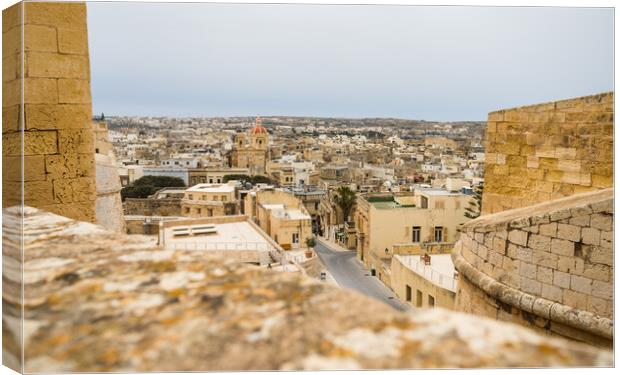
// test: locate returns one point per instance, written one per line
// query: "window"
(431, 301)
(191, 197)
(415, 234)
(210, 180)
(219, 180)
(418, 298)
(438, 234)
(424, 202)
(223, 198)
(407, 293)
(186, 210)
(209, 212)
(295, 237)
(199, 211)
(215, 197)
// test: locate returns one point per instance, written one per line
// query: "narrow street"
(349, 273)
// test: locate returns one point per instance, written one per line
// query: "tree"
(345, 199)
(473, 211)
(149, 185)
(310, 242)
(243, 178)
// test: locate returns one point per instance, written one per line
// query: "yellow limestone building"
(407, 223)
(251, 149)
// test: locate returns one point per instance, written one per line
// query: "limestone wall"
(97, 301)
(548, 266)
(153, 207)
(547, 151)
(54, 122)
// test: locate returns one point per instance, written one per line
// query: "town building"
(207, 200)
(213, 175)
(251, 150)
(425, 217)
(281, 215)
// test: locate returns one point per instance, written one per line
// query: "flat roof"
(440, 272)
(235, 236)
(290, 213)
(211, 188)
(438, 191)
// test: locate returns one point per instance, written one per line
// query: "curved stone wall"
(548, 266)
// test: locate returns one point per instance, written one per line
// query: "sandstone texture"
(97, 301)
(550, 266)
(547, 151)
(53, 134)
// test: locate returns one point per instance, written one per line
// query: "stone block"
(581, 284)
(601, 255)
(72, 41)
(40, 38)
(531, 286)
(602, 221)
(37, 193)
(600, 307)
(569, 232)
(603, 290)
(11, 41)
(85, 165)
(552, 293)
(76, 141)
(518, 237)
(569, 165)
(11, 93)
(35, 143)
(61, 166)
(590, 236)
(545, 259)
(565, 153)
(10, 68)
(65, 116)
(40, 90)
(527, 270)
(544, 275)
(63, 191)
(582, 221)
(53, 65)
(69, 15)
(83, 189)
(10, 118)
(532, 162)
(602, 181)
(74, 91)
(561, 279)
(548, 229)
(562, 247)
(575, 299)
(538, 242)
(566, 264)
(495, 259)
(571, 178)
(11, 17)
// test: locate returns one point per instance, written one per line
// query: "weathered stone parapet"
(553, 260)
(547, 151)
(97, 301)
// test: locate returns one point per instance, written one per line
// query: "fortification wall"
(548, 151)
(547, 266)
(54, 122)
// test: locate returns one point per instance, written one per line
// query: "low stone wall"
(99, 302)
(549, 266)
(152, 207)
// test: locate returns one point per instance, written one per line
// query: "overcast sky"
(433, 63)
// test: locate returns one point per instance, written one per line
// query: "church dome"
(258, 128)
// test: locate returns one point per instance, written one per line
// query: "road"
(349, 273)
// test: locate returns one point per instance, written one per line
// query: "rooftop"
(232, 236)
(211, 188)
(440, 271)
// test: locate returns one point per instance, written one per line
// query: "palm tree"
(473, 211)
(345, 199)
